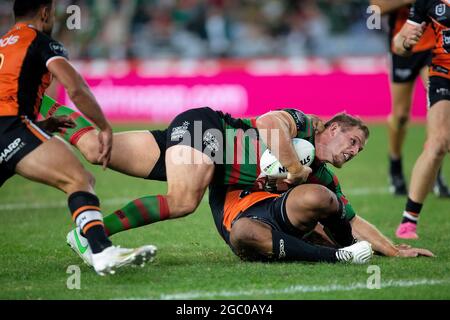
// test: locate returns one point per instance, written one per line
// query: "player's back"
(24, 53)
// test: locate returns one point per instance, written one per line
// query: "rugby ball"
(271, 167)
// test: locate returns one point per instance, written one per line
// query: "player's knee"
(319, 199)
(90, 150)
(399, 120)
(81, 180)
(438, 147)
(181, 205)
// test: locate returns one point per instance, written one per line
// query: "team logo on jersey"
(9, 41)
(441, 9)
(58, 48)
(179, 132)
(211, 143)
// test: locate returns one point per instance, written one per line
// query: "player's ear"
(334, 128)
(45, 14)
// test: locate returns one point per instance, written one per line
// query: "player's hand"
(317, 123)
(298, 176)
(414, 252)
(403, 246)
(414, 36)
(57, 123)
(105, 139)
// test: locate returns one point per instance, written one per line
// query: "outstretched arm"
(85, 101)
(363, 230)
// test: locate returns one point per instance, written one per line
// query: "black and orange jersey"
(24, 56)
(396, 21)
(437, 14)
(235, 204)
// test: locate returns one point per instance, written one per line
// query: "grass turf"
(194, 263)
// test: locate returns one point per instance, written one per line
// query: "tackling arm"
(85, 101)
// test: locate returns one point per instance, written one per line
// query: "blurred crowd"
(139, 29)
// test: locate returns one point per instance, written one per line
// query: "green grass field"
(194, 263)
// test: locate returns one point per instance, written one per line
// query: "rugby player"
(437, 14)
(138, 153)
(403, 74)
(29, 58)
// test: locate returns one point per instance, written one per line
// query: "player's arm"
(412, 30)
(84, 100)
(408, 37)
(277, 128)
(388, 6)
(363, 230)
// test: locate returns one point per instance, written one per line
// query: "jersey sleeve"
(418, 12)
(324, 176)
(50, 49)
(302, 122)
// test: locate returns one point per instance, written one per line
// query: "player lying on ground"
(437, 145)
(29, 58)
(138, 153)
(261, 225)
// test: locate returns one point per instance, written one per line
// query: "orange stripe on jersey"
(234, 205)
(83, 209)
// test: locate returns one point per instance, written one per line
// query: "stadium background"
(148, 60)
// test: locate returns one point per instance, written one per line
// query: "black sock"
(338, 227)
(85, 208)
(440, 178)
(289, 248)
(98, 241)
(395, 167)
(412, 211)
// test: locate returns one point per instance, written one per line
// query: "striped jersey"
(24, 56)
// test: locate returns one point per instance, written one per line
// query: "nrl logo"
(441, 9)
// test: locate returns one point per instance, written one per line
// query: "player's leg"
(256, 235)
(189, 172)
(134, 153)
(440, 188)
(187, 183)
(397, 127)
(427, 165)
(53, 163)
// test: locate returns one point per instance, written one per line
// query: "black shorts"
(18, 137)
(406, 69)
(159, 170)
(270, 211)
(200, 129)
(438, 89)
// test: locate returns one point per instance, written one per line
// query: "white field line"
(297, 289)
(123, 201)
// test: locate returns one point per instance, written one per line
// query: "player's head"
(345, 136)
(42, 11)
